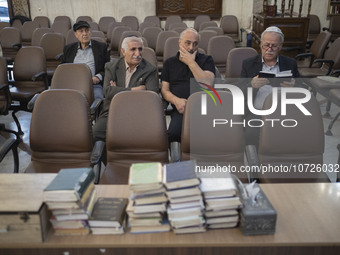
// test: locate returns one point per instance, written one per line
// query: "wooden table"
(308, 223)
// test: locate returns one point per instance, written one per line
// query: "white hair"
(275, 30)
(131, 39)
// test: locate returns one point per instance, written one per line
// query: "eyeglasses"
(272, 46)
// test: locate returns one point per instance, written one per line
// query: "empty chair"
(316, 51)
(70, 37)
(136, 133)
(172, 19)
(115, 40)
(144, 25)
(294, 146)
(200, 19)
(4, 24)
(38, 33)
(94, 25)
(203, 25)
(61, 27)
(222, 144)
(97, 33)
(218, 30)
(151, 34)
(16, 23)
(153, 19)
(112, 26)
(131, 21)
(334, 27)
(53, 45)
(63, 18)
(171, 47)
(43, 21)
(60, 132)
(173, 26)
(26, 32)
(205, 36)
(30, 78)
(314, 28)
(234, 63)
(230, 26)
(331, 61)
(218, 48)
(84, 18)
(104, 23)
(161, 39)
(10, 39)
(150, 56)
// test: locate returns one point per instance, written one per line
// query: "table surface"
(308, 215)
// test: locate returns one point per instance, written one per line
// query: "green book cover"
(144, 173)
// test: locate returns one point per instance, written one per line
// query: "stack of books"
(108, 216)
(70, 196)
(221, 202)
(185, 199)
(147, 204)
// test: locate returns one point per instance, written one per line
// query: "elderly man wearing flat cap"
(90, 52)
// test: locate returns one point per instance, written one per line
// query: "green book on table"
(145, 176)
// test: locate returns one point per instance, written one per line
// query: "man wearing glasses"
(269, 61)
(131, 72)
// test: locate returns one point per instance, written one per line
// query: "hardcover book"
(145, 176)
(108, 212)
(218, 187)
(69, 184)
(180, 174)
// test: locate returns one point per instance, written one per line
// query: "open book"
(283, 76)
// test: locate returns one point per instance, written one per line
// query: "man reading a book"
(269, 62)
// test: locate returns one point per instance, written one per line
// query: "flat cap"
(80, 24)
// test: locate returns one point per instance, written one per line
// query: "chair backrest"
(115, 38)
(26, 32)
(74, 76)
(222, 144)
(200, 19)
(60, 132)
(63, 18)
(70, 37)
(218, 30)
(334, 26)
(136, 132)
(43, 21)
(151, 34)
(131, 21)
(94, 25)
(9, 36)
(150, 56)
(203, 25)
(84, 18)
(104, 23)
(161, 39)
(38, 33)
(235, 59)
(17, 23)
(173, 26)
(171, 47)
(61, 27)
(4, 101)
(230, 26)
(320, 43)
(282, 145)
(172, 19)
(205, 36)
(333, 53)
(153, 19)
(111, 27)
(314, 27)
(98, 33)
(144, 25)
(218, 48)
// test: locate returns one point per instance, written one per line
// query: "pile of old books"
(70, 196)
(185, 199)
(147, 204)
(108, 216)
(221, 202)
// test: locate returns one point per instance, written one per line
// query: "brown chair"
(43, 21)
(200, 19)
(98, 33)
(298, 146)
(115, 40)
(218, 30)
(61, 27)
(161, 39)
(136, 133)
(331, 61)
(104, 23)
(26, 32)
(172, 19)
(205, 36)
(314, 28)
(30, 78)
(230, 26)
(153, 19)
(218, 48)
(144, 25)
(84, 18)
(171, 47)
(60, 132)
(222, 144)
(63, 18)
(70, 37)
(10, 39)
(316, 50)
(4, 24)
(53, 45)
(174, 26)
(110, 29)
(151, 34)
(203, 25)
(131, 21)
(38, 33)
(334, 27)
(94, 25)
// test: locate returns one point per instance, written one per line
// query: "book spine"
(83, 185)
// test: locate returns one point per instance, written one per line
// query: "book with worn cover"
(276, 78)
(223, 203)
(180, 174)
(145, 176)
(69, 184)
(108, 212)
(218, 187)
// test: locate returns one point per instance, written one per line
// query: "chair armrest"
(329, 61)
(325, 29)
(30, 104)
(336, 72)
(17, 45)
(95, 106)
(6, 147)
(304, 55)
(299, 48)
(59, 56)
(252, 159)
(97, 152)
(38, 75)
(4, 86)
